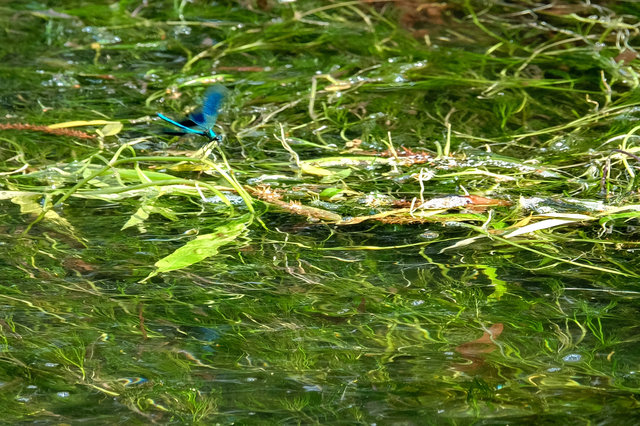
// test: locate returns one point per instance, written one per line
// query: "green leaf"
(342, 174)
(147, 208)
(80, 123)
(111, 129)
(138, 218)
(134, 175)
(499, 285)
(329, 192)
(203, 246)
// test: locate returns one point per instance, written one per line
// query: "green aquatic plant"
(387, 194)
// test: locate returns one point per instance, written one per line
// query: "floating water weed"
(388, 188)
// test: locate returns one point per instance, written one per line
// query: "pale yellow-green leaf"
(313, 170)
(134, 175)
(112, 129)
(137, 219)
(500, 286)
(165, 212)
(340, 175)
(5, 195)
(537, 226)
(144, 211)
(30, 204)
(202, 247)
(80, 123)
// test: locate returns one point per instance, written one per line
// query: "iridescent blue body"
(204, 118)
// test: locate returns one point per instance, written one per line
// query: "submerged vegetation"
(414, 209)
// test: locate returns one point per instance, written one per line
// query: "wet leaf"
(80, 123)
(544, 224)
(137, 219)
(111, 129)
(313, 170)
(330, 192)
(202, 247)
